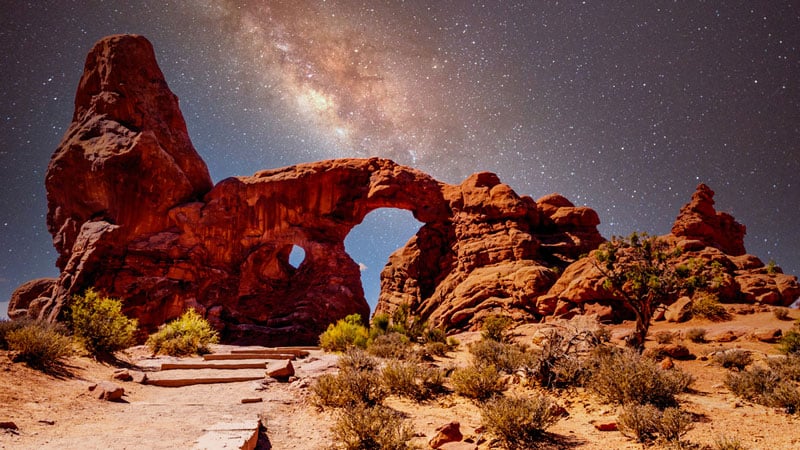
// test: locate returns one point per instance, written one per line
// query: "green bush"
(494, 328)
(790, 341)
(479, 383)
(186, 335)
(519, 422)
(40, 345)
(99, 324)
(346, 333)
(625, 377)
(412, 380)
(707, 305)
(733, 358)
(376, 427)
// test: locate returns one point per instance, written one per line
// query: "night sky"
(623, 106)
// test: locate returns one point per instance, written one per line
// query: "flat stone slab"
(189, 377)
(249, 355)
(259, 363)
(236, 435)
(296, 351)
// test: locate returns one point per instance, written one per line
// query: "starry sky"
(621, 106)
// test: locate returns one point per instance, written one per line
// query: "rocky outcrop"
(705, 238)
(699, 221)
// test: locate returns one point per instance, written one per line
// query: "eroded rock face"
(497, 254)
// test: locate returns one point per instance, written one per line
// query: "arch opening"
(296, 256)
(370, 243)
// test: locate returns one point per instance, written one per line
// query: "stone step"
(258, 363)
(238, 435)
(249, 355)
(298, 352)
(189, 377)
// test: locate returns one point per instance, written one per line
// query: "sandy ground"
(61, 413)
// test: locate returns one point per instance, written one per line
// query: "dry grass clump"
(7, 326)
(519, 422)
(390, 345)
(358, 382)
(733, 358)
(494, 328)
(781, 313)
(375, 427)
(412, 380)
(765, 386)
(477, 382)
(505, 357)
(645, 422)
(623, 376)
(42, 346)
(664, 337)
(726, 443)
(696, 335)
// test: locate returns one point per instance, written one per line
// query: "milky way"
(621, 106)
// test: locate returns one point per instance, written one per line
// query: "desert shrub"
(726, 443)
(707, 305)
(494, 328)
(697, 335)
(99, 324)
(626, 377)
(784, 395)
(7, 326)
(733, 358)
(356, 359)
(753, 384)
(787, 368)
(506, 357)
(412, 380)
(664, 337)
(561, 359)
(345, 333)
(435, 335)
(403, 322)
(790, 341)
(477, 382)
(380, 323)
(186, 335)
(349, 387)
(40, 345)
(639, 422)
(674, 424)
(781, 313)
(389, 345)
(437, 348)
(519, 422)
(377, 427)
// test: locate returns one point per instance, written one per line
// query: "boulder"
(108, 391)
(699, 221)
(446, 433)
(680, 311)
(770, 335)
(280, 369)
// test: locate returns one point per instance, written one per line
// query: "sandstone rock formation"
(133, 214)
(702, 234)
